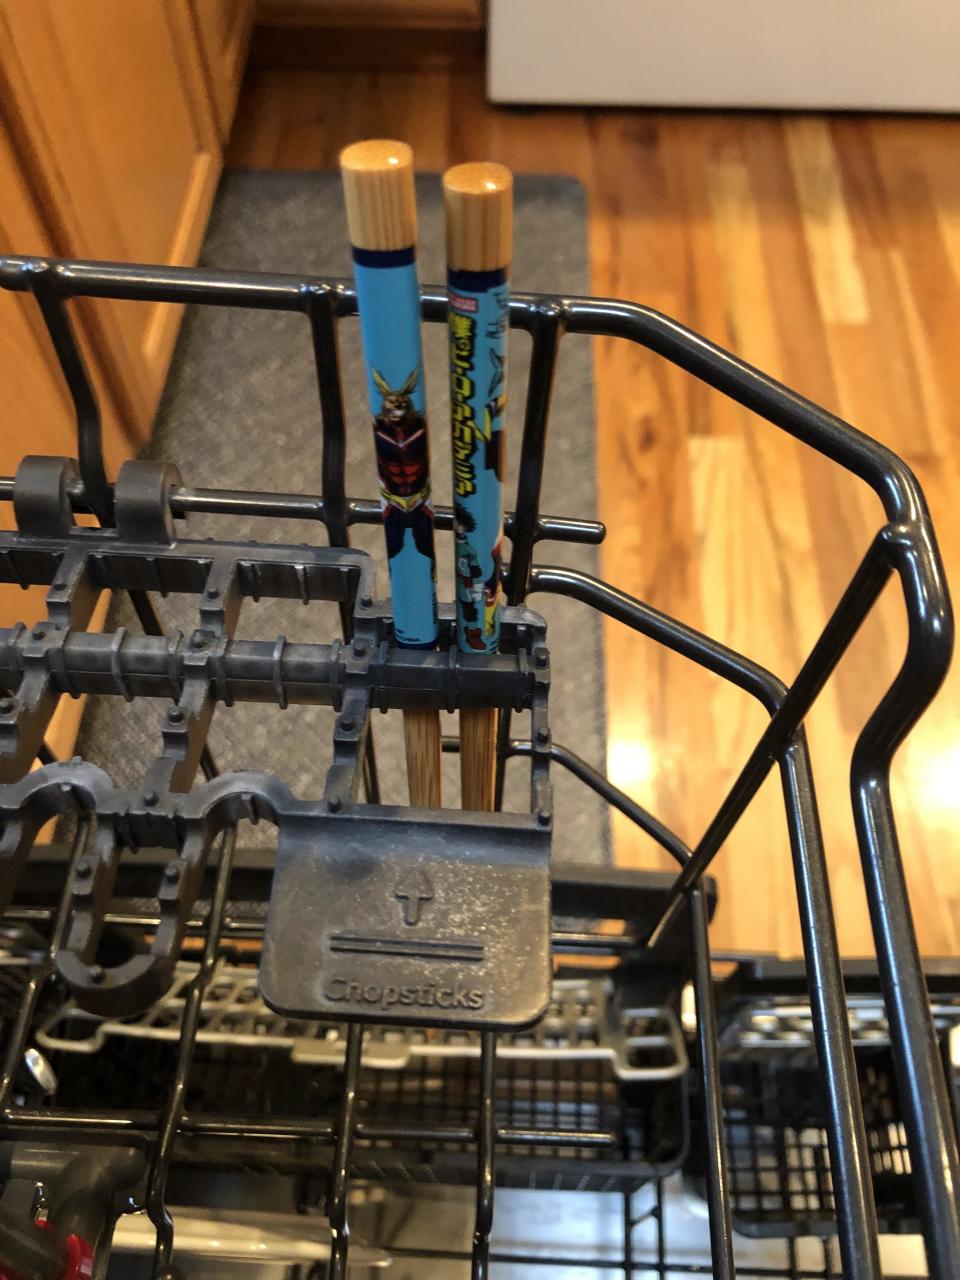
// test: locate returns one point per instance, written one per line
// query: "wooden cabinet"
(112, 119)
(115, 111)
(37, 412)
(223, 28)
(114, 123)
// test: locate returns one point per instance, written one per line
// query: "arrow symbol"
(412, 890)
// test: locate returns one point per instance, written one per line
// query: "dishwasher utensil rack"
(621, 1102)
(46, 493)
(579, 1024)
(774, 1103)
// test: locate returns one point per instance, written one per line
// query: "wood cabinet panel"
(112, 120)
(37, 411)
(111, 114)
(223, 28)
(464, 14)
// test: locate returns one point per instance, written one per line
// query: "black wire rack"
(488, 1118)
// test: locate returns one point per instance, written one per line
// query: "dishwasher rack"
(66, 904)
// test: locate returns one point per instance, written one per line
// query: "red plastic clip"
(79, 1259)
(79, 1264)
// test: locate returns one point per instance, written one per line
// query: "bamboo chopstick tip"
(481, 179)
(376, 156)
(378, 191)
(478, 203)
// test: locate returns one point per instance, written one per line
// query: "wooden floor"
(826, 250)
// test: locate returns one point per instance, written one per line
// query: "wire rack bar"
(173, 1110)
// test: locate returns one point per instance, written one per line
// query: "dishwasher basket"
(138, 1049)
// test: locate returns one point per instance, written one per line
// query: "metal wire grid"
(904, 545)
(636, 1043)
(786, 1023)
(781, 1179)
(618, 1136)
(779, 1155)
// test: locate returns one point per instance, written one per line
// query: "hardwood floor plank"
(830, 240)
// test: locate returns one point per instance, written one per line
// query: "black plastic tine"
(718, 1188)
(322, 308)
(546, 331)
(340, 1173)
(504, 726)
(368, 766)
(849, 1154)
(486, 1147)
(150, 621)
(176, 1100)
(89, 434)
(17, 1042)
